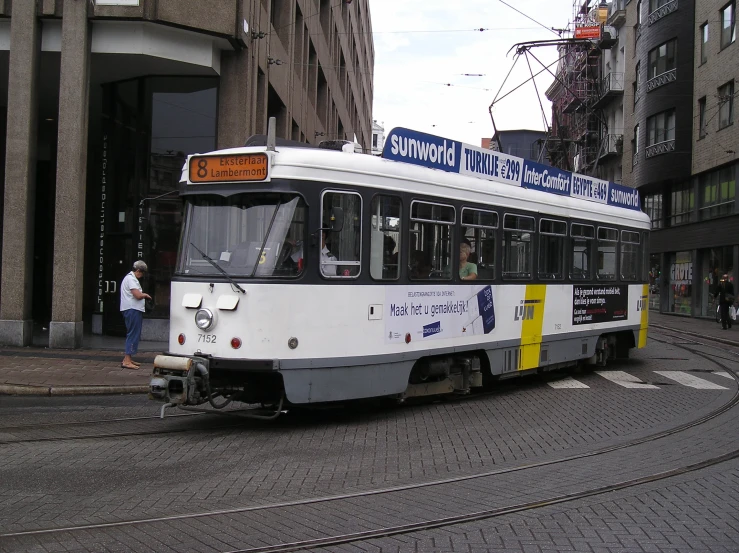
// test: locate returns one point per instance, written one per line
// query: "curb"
(19, 390)
(697, 335)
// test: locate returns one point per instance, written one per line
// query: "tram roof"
(363, 170)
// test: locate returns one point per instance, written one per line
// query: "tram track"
(440, 521)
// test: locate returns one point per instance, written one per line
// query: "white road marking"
(689, 380)
(567, 383)
(724, 374)
(626, 380)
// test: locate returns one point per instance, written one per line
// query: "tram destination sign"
(228, 168)
(436, 152)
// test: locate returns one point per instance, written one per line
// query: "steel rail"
(295, 546)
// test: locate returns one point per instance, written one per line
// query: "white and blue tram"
(310, 275)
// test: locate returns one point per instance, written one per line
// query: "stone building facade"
(100, 103)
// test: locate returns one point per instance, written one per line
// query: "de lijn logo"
(525, 311)
(431, 329)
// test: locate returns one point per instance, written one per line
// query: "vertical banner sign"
(103, 185)
(599, 304)
(140, 242)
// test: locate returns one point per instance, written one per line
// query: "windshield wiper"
(219, 268)
(264, 242)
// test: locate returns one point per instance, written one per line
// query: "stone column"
(16, 324)
(234, 114)
(71, 177)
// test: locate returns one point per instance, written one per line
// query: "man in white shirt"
(133, 305)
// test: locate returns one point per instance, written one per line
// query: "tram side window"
(607, 243)
(583, 238)
(552, 237)
(341, 248)
(517, 246)
(479, 232)
(630, 255)
(385, 238)
(431, 241)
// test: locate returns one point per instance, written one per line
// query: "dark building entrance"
(145, 130)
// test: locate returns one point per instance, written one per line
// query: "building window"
(682, 202)
(635, 146)
(661, 127)
(702, 117)
(728, 24)
(637, 84)
(717, 193)
(653, 208)
(662, 58)
(374, 141)
(638, 12)
(726, 105)
(657, 4)
(704, 43)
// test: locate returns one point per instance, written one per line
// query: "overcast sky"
(423, 45)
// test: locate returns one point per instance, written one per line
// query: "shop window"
(662, 59)
(726, 105)
(385, 238)
(655, 281)
(630, 255)
(583, 240)
(653, 208)
(716, 262)
(552, 238)
(517, 246)
(607, 246)
(717, 193)
(681, 283)
(431, 241)
(341, 249)
(479, 229)
(682, 204)
(727, 17)
(183, 121)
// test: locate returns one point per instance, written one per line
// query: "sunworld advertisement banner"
(430, 313)
(435, 152)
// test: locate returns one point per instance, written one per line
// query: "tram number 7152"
(207, 338)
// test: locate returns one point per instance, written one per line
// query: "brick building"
(101, 101)
(684, 145)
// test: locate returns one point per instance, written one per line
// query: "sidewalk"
(93, 369)
(96, 369)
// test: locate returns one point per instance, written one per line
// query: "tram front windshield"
(245, 235)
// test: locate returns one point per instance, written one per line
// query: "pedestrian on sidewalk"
(725, 296)
(133, 305)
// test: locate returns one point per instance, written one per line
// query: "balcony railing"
(610, 86)
(660, 148)
(616, 13)
(660, 80)
(613, 145)
(661, 12)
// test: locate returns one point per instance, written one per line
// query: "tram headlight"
(204, 319)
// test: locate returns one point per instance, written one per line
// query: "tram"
(310, 275)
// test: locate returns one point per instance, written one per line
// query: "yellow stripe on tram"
(644, 306)
(533, 322)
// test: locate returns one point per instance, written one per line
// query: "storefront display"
(681, 283)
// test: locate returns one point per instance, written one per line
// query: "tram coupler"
(179, 380)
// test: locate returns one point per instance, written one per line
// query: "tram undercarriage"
(192, 381)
